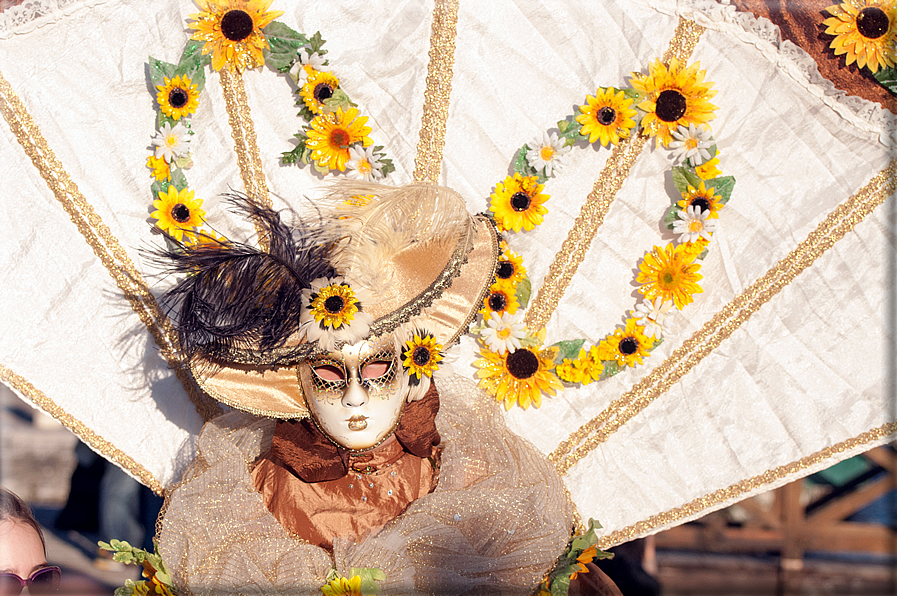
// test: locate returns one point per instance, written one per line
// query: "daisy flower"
(503, 332)
(693, 224)
(650, 315)
(306, 64)
(692, 144)
(363, 164)
(172, 141)
(547, 154)
(865, 30)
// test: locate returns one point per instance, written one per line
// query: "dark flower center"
(497, 301)
(628, 346)
(421, 356)
(701, 203)
(177, 98)
(522, 364)
(180, 213)
(236, 25)
(323, 91)
(334, 304)
(505, 270)
(606, 115)
(340, 138)
(520, 201)
(872, 22)
(670, 105)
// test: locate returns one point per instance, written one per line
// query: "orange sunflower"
(331, 135)
(232, 30)
(626, 346)
(669, 273)
(517, 203)
(518, 377)
(865, 30)
(675, 96)
(702, 197)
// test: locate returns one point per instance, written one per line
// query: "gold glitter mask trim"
(834, 227)
(105, 245)
(591, 216)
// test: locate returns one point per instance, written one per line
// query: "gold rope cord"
(840, 221)
(104, 244)
(245, 143)
(745, 486)
(591, 216)
(428, 163)
(76, 426)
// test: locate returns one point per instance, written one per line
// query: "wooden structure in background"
(807, 515)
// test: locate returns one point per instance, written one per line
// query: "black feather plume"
(234, 295)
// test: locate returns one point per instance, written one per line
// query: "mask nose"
(355, 395)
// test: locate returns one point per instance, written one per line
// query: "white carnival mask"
(355, 394)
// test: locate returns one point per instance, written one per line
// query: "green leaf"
(683, 177)
(521, 164)
(634, 95)
(316, 43)
(304, 112)
(524, 289)
(670, 216)
(163, 119)
(339, 99)
(887, 78)
(192, 64)
(561, 584)
(159, 70)
(610, 368)
(283, 43)
(703, 254)
(323, 170)
(568, 349)
(158, 187)
(369, 578)
(388, 167)
(571, 130)
(723, 186)
(178, 179)
(297, 152)
(563, 125)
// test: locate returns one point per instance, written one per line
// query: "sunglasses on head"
(42, 581)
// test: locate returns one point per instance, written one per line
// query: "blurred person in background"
(23, 553)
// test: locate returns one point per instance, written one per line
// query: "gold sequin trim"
(104, 244)
(840, 221)
(245, 144)
(108, 451)
(428, 163)
(693, 508)
(615, 172)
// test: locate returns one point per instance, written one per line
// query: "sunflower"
(160, 169)
(232, 30)
(584, 558)
(708, 170)
(517, 377)
(332, 312)
(675, 96)
(422, 355)
(343, 587)
(502, 298)
(585, 368)
(606, 117)
(177, 211)
(865, 30)
(626, 346)
(317, 89)
(201, 238)
(669, 273)
(331, 135)
(510, 268)
(177, 97)
(517, 203)
(703, 198)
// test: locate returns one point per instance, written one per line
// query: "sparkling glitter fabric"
(498, 518)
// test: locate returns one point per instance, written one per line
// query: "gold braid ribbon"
(245, 143)
(103, 447)
(840, 221)
(104, 244)
(740, 489)
(591, 216)
(428, 163)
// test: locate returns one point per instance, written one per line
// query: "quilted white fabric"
(812, 368)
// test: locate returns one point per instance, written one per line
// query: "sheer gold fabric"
(498, 517)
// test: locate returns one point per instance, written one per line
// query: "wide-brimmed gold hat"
(414, 253)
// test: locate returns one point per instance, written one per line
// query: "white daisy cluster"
(172, 142)
(692, 144)
(503, 332)
(548, 154)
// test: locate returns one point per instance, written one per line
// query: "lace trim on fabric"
(799, 65)
(32, 14)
